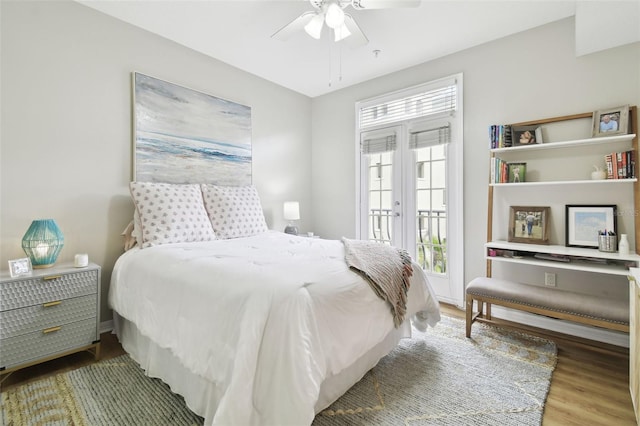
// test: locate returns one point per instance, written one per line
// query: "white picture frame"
(611, 121)
(584, 222)
(20, 267)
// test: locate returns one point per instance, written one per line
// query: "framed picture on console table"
(583, 224)
(529, 224)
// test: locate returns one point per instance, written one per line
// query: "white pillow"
(170, 213)
(234, 211)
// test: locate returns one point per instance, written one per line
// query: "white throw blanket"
(265, 318)
(386, 268)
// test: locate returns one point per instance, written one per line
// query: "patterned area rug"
(498, 377)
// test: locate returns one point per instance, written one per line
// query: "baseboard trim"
(106, 326)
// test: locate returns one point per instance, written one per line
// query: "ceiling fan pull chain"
(340, 63)
(330, 63)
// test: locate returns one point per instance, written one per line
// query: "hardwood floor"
(590, 385)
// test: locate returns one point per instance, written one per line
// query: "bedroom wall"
(530, 75)
(66, 147)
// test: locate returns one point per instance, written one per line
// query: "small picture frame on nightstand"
(20, 267)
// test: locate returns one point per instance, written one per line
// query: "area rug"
(498, 377)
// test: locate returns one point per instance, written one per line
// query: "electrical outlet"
(549, 279)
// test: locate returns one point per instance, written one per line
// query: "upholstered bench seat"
(561, 304)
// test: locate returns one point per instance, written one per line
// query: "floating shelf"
(608, 140)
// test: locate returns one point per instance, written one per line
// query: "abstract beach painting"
(185, 136)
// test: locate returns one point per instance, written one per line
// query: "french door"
(411, 197)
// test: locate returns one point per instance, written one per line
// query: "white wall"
(66, 143)
(66, 146)
(527, 76)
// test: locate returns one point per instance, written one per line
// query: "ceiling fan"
(331, 12)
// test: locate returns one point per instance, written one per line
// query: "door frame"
(455, 187)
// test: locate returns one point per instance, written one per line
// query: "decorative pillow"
(234, 211)
(170, 213)
(137, 227)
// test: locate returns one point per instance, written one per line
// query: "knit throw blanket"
(387, 270)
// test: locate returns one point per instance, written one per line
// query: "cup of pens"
(607, 241)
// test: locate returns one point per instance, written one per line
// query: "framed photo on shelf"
(583, 224)
(529, 224)
(610, 122)
(20, 267)
(526, 135)
(517, 172)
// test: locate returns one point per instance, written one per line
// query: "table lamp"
(291, 212)
(43, 242)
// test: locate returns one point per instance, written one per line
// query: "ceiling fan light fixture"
(341, 32)
(334, 16)
(314, 26)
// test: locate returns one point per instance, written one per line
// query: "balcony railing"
(432, 253)
(431, 244)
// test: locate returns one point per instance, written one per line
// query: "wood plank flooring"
(590, 385)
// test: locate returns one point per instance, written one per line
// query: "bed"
(250, 326)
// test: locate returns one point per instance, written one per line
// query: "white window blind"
(378, 141)
(430, 137)
(416, 105)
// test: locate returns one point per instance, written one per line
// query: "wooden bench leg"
(469, 315)
(488, 315)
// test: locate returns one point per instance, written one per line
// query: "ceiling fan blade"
(294, 26)
(384, 4)
(357, 37)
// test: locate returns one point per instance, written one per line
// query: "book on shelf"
(498, 170)
(503, 172)
(621, 165)
(500, 136)
(506, 135)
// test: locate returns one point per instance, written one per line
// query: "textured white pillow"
(234, 211)
(171, 213)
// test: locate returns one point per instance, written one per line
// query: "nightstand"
(49, 314)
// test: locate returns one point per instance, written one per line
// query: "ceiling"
(239, 33)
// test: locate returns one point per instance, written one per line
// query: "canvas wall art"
(185, 136)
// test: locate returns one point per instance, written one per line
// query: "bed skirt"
(202, 396)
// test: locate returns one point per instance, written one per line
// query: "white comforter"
(266, 318)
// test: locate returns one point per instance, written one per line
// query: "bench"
(581, 308)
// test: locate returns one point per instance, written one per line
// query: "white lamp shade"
(341, 32)
(314, 27)
(334, 16)
(291, 210)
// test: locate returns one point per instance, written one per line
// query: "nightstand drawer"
(29, 291)
(17, 322)
(48, 342)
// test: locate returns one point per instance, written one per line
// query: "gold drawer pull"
(50, 304)
(52, 277)
(51, 330)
